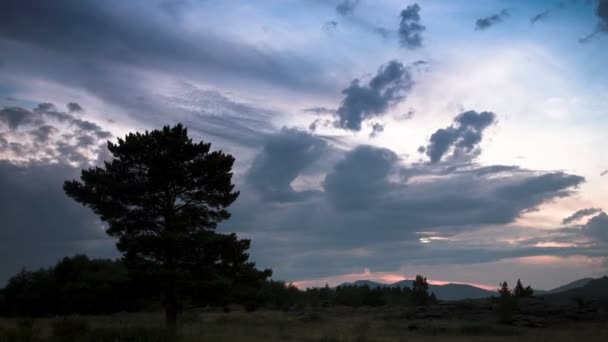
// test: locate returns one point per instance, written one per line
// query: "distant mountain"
(371, 284)
(594, 289)
(584, 288)
(452, 291)
(443, 292)
(573, 285)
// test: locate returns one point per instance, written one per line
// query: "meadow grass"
(280, 326)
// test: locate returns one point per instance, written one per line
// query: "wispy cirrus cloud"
(489, 21)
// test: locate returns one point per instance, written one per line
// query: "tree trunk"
(171, 306)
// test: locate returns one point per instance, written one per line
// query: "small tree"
(520, 291)
(420, 291)
(162, 196)
(504, 290)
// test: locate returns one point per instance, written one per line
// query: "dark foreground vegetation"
(321, 325)
(83, 286)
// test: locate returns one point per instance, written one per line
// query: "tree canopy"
(163, 195)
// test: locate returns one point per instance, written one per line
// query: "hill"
(594, 289)
(573, 285)
(464, 291)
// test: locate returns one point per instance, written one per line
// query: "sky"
(373, 139)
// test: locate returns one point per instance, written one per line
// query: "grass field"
(279, 326)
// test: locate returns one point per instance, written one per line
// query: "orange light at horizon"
(380, 277)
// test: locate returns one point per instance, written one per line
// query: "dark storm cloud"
(597, 228)
(410, 29)
(602, 26)
(360, 179)
(487, 22)
(42, 134)
(39, 223)
(602, 13)
(16, 116)
(284, 156)
(370, 189)
(74, 107)
(580, 214)
(461, 138)
(363, 101)
(346, 7)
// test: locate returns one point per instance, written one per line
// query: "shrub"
(70, 329)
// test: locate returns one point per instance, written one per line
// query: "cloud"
(39, 223)
(389, 86)
(101, 46)
(360, 179)
(461, 138)
(50, 226)
(284, 156)
(580, 214)
(602, 26)
(215, 114)
(487, 22)
(74, 107)
(602, 13)
(16, 116)
(347, 7)
(377, 128)
(366, 206)
(545, 14)
(597, 228)
(34, 135)
(410, 29)
(370, 190)
(540, 16)
(320, 110)
(330, 26)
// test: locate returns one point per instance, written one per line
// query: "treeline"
(80, 285)
(282, 296)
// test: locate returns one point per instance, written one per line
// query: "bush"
(25, 331)
(507, 309)
(131, 334)
(70, 329)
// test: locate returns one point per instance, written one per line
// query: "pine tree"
(420, 290)
(162, 196)
(504, 290)
(519, 289)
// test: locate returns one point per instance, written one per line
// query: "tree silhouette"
(504, 290)
(162, 196)
(521, 291)
(420, 290)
